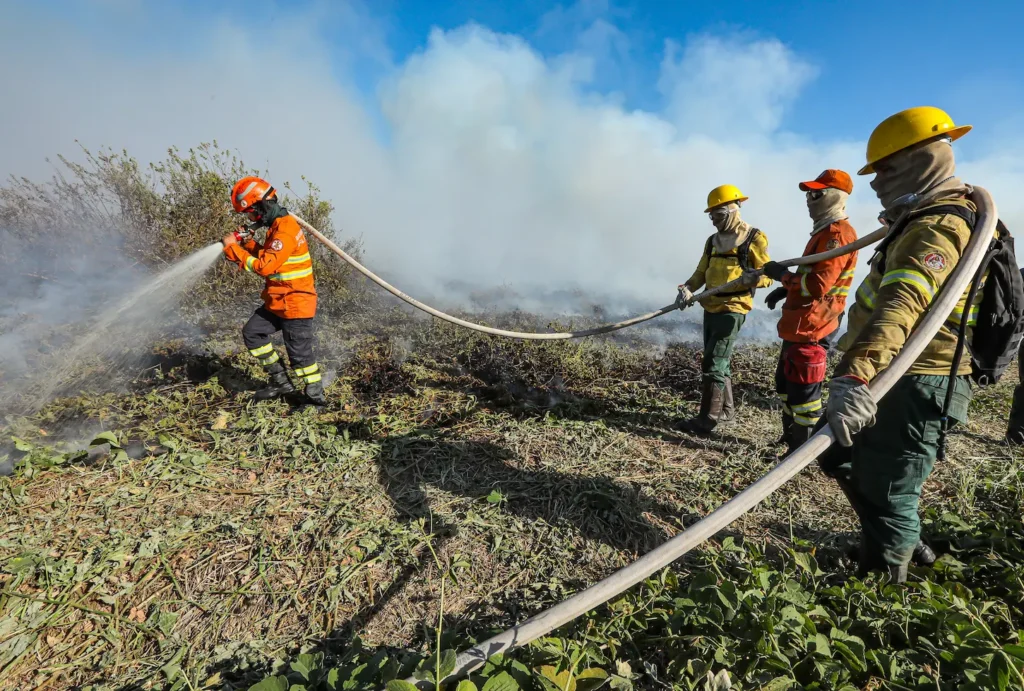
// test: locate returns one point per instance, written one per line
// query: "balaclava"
(269, 211)
(926, 170)
(732, 230)
(828, 208)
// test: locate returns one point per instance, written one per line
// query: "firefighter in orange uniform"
(815, 302)
(289, 298)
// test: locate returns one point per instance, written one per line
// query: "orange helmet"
(250, 190)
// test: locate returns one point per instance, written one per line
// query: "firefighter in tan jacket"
(737, 250)
(893, 443)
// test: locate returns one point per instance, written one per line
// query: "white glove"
(684, 298)
(851, 408)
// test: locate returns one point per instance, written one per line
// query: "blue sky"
(873, 57)
(507, 143)
(870, 57)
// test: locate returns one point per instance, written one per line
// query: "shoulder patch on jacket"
(832, 244)
(276, 245)
(934, 261)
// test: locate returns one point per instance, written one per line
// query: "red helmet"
(250, 190)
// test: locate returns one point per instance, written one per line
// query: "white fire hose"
(605, 328)
(663, 555)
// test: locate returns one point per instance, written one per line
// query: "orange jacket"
(816, 294)
(283, 259)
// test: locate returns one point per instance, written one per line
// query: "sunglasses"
(815, 194)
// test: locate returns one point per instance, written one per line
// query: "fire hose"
(605, 328)
(663, 555)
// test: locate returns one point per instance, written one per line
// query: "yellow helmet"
(906, 128)
(724, 194)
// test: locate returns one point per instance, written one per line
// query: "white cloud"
(501, 168)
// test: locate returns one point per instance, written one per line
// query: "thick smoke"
(477, 170)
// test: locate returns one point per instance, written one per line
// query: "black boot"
(922, 556)
(728, 407)
(787, 422)
(279, 384)
(1015, 428)
(712, 400)
(315, 393)
(798, 435)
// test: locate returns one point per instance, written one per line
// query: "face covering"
(827, 208)
(731, 228)
(922, 171)
(269, 211)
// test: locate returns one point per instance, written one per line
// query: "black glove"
(774, 270)
(774, 297)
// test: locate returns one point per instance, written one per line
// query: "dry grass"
(530, 470)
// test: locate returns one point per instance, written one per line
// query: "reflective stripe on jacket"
(899, 290)
(283, 260)
(816, 293)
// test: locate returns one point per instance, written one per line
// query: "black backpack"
(742, 257)
(997, 333)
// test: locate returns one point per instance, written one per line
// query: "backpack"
(997, 334)
(742, 256)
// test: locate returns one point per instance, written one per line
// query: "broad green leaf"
(779, 684)
(301, 669)
(466, 685)
(448, 659)
(271, 684)
(1000, 672)
(500, 682)
(105, 438)
(400, 685)
(590, 679)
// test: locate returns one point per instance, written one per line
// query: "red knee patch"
(804, 363)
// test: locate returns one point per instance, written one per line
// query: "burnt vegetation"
(173, 534)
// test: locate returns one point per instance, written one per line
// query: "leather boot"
(278, 386)
(728, 407)
(315, 393)
(922, 556)
(1015, 428)
(712, 400)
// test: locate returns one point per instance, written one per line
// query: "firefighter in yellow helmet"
(736, 250)
(887, 448)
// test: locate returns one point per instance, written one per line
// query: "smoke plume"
(477, 166)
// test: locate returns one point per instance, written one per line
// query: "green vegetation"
(455, 485)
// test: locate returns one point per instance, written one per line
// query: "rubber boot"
(728, 407)
(712, 400)
(315, 393)
(787, 422)
(278, 386)
(798, 435)
(1015, 428)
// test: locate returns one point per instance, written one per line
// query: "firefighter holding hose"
(892, 444)
(289, 298)
(815, 300)
(735, 251)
